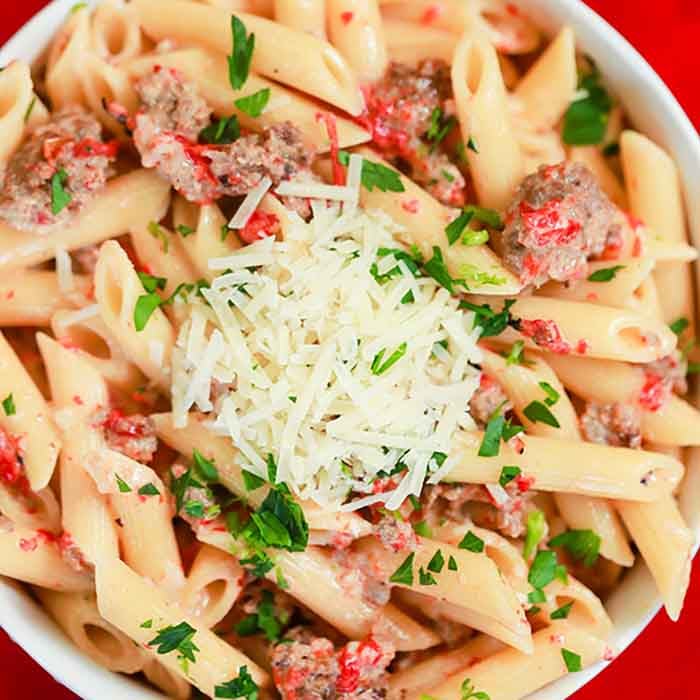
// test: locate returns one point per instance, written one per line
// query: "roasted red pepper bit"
(352, 660)
(547, 225)
(259, 226)
(545, 334)
(654, 393)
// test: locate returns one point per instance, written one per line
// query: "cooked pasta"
(332, 363)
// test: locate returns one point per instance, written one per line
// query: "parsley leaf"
(437, 269)
(439, 127)
(148, 490)
(185, 231)
(243, 686)
(225, 130)
(259, 564)
(471, 145)
(535, 529)
(490, 322)
(204, 467)
(253, 105)
(177, 637)
(146, 304)
(404, 574)
(375, 175)
(542, 571)
(279, 522)
(241, 54)
(452, 564)
(425, 578)
(146, 624)
(586, 119)
(123, 486)
(30, 109)
(581, 544)
(264, 620)
(563, 612)
(252, 481)
(679, 325)
(472, 543)
(468, 692)
(572, 661)
(378, 367)
(436, 562)
(8, 405)
(456, 228)
(537, 412)
(536, 596)
(508, 474)
(552, 393)
(515, 355)
(423, 529)
(491, 442)
(151, 283)
(605, 274)
(60, 199)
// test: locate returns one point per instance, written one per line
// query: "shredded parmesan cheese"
(84, 314)
(308, 349)
(250, 204)
(64, 271)
(315, 190)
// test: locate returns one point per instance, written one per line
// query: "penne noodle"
(510, 674)
(547, 89)
(410, 43)
(607, 333)
(303, 15)
(16, 96)
(126, 201)
(480, 98)
(584, 468)
(208, 72)
(290, 57)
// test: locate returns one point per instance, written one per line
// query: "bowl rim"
(661, 117)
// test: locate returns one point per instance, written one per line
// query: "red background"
(664, 662)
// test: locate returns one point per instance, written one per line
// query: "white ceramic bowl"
(654, 111)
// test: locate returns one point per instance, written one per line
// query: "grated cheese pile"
(302, 354)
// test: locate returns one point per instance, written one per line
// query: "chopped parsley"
(185, 231)
(459, 227)
(410, 261)
(538, 412)
(582, 545)
(508, 473)
(264, 620)
(468, 692)
(679, 325)
(77, 7)
(151, 283)
(253, 105)
(612, 149)
(543, 569)
(439, 127)
(123, 486)
(147, 624)
(378, 367)
(536, 525)
(60, 199)
(156, 230)
(146, 304)
(375, 175)
(436, 268)
(516, 355)
(204, 467)
(425, 578)
(8, 405)
(563, 612)
(423, 529)
(148, 490)
(447, 175)
(177, 638)
(497, 428)
(605, 274)
(452, 564)
(437, 562)
(472, 543)
(243, 686)
(492, 323)
(241, 54)
(30, 109)
(552, 394)
(404, 574)
(586, 119)
(479, 278)
(225, 130)
(536, 596)
(572, 661)
(252, 481)
(471, 145)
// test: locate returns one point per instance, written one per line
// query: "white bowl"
(654, 111)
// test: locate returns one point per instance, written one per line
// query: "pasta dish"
(345, 348)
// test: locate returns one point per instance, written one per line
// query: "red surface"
(664, 662)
